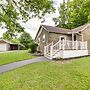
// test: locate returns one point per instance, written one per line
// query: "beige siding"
(55, 37)
(78, 37)
(49, 37)
(42, 43)
(86, 36)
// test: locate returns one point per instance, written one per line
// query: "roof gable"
(56, 29)
(80, 28)
(5, 41)
(8, 42)
(39, 31)
(53, 29)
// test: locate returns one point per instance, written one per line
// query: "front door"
(63, 41)
(75, 38)
(62, 38)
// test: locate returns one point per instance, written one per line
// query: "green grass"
(52, 75)
(14, 57)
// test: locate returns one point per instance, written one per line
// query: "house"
(56, 42)
(8, 46)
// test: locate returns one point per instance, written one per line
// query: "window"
(75, 38)
(38, 41)
(43, 38)
(63, 38)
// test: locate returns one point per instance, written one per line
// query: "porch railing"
(52, 49)
(47, 50)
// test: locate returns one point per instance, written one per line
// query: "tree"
(11, 11)
(26, 40)
(76, 13)
(6, 36)
(61, 20)
(16, 41)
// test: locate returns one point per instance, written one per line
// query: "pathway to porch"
(11, 66)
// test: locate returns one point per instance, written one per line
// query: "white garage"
(3, 47)
(8, 46)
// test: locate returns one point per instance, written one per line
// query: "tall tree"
(61, 20)
(13, 10)
(25, 39)
(76, 14)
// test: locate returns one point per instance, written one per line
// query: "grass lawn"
(14, 57)
(52, 75)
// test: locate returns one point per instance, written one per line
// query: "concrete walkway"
(8, 67)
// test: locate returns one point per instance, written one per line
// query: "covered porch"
(66, 48)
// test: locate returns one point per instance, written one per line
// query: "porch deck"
(66, 49)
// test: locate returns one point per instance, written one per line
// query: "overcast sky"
(32, 25)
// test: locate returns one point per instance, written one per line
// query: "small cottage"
(56, 42)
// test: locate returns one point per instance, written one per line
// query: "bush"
(33, 47)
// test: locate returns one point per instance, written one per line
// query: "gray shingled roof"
(80, 28)
(56, 29)
(6, 41)
(63, 30)
(53, 29)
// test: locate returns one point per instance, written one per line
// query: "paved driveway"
(8, 67)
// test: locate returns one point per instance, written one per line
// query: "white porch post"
(59, 44)
(51, 51)
(82, 38)
(86, 47)
(76, 45)
(72, 40)
(63, 44)
(82, 42)
(44, 50)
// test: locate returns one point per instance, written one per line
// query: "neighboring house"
(8, 46)
(56, 42)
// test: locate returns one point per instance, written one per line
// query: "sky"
(33, 25)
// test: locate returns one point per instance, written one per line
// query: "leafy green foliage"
(15, 41)
(7, 36)
(73, 13)
(61, 20)
(33, 47)
(11, 11)
(12, 38)
(26, 40)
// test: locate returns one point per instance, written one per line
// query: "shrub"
(33, 47)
